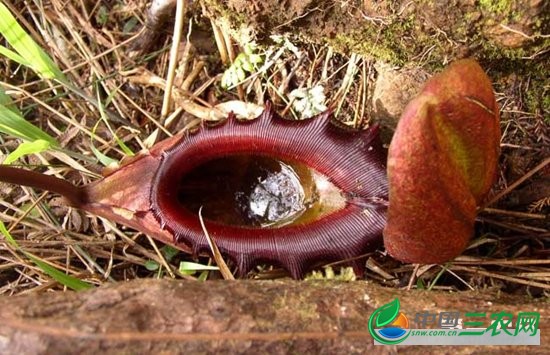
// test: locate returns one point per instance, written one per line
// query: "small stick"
(178, 26)
(514, 213)
(516, 183)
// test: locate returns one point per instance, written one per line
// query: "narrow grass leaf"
(189, 268)
(27, 148)
(6, 101)
(59, 276)
(103, 159)
(105, 119)
(64, 279)
(13, 56)
(26, 47)
(14, 124)
(7, 235)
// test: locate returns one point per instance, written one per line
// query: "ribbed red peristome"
(353, 161)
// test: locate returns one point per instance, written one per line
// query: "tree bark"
(232, 317)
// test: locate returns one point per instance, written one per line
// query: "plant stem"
(74, 194)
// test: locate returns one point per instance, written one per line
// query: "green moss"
(357, 43)
(525, 65)
(236, 19)
(406, 41)
(388, 43)
(537, 97)
(500, 7)
(491, 51)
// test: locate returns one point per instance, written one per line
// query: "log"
(153, 316)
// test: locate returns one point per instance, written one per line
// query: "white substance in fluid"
(277, 198)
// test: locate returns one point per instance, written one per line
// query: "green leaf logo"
(387, 313)
(383, 316)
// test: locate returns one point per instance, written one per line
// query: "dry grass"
(511, 253)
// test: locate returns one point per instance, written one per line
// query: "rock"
(393, 90)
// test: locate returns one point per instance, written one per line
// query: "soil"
(408, 40)
(397, 31)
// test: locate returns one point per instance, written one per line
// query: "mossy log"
(154, 316)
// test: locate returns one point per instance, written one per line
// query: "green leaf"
(64, 279)
(103, 159)
(151, 265)
(387, 313)
(227, 78)
(59, 276)
(14, 124)
(30, 210)
(241, 75)
(203, 276)
(255, 59)
(187, 267)
(246, 64)
(169, 252)
(130, 25)
(249, 49)
(27, 148)
(102, 15)
(8, 53)
(6, 101)
(104, 118)
(27, 48)
(7, 235)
